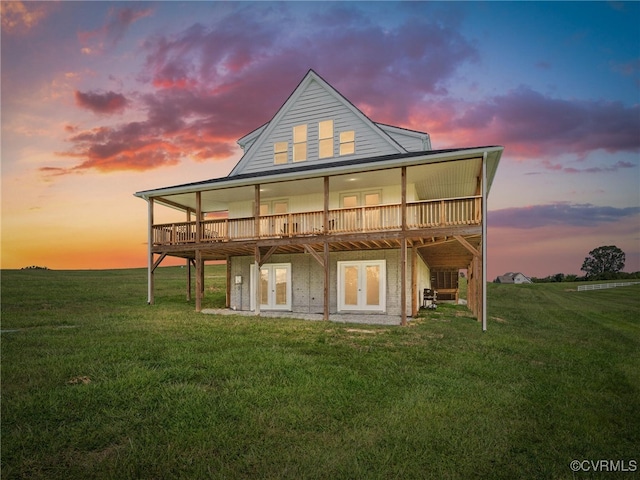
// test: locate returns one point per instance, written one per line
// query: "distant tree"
(605, 261)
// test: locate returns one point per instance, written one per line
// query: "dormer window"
(347, 142)
(325, 139)
(299, 143)
(280, 152)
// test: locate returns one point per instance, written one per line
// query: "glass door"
(362, 285)
(275, 287)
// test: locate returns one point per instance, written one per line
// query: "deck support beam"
(403, 248)
(227, 302)
(199, 280)
(483, 259)
(258, 283)
(198, 216)
(327, 280)
(403, 282)
(150, 285)
(414, 281)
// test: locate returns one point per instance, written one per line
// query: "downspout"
(484, 242)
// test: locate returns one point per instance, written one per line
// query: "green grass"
(97, 384)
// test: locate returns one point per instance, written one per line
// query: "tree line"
(602, 263)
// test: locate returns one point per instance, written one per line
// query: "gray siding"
(408, 142)
(316, 104)
(307, 280)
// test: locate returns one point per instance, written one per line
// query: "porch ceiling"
(447, 252)
(430, 181)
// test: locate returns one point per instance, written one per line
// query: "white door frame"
(362, 286)
(271, 267)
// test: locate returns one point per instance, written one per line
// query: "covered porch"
(433, 211)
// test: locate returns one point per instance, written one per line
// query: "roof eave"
(394, 161)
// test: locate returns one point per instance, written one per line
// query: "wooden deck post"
(403, 281)
(188, 279)
(483, 258)
(325, 251)
(325, 211)
(199, 280)
(403, 248)
(227, 302)
(414, 281)
(327, 281)
(198, 216)
(150, 285)
(257, 254)
(258, 283)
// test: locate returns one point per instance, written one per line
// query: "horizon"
(102, 100)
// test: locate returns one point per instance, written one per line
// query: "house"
(329, 212)
(513, 277)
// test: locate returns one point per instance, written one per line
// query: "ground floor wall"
(307, 280)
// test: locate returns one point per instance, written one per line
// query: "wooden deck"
(374, 219)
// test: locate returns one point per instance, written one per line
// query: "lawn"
(97, 384)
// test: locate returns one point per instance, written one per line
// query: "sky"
(103, 99)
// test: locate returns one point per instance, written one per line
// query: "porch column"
(150, 299)
(403, 248)
(256, 215)
(227, 302)
(325, 248)
(403, 281)
(483, 258)
(327, 281)
(325, 211)
(198, 216)
(414, 281)
(188, 279)
(258, 283)
(188, 269)
(199, 280)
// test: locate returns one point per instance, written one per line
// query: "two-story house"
(329, 212)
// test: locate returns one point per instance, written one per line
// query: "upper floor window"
(347, 142)
(299, 143)
(325, 139)
(276, 207)
(280, 152)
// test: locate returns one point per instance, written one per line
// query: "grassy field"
(97, 384)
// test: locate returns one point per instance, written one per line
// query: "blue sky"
(102, 99)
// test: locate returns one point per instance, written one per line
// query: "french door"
(362, 285)
(275, 286)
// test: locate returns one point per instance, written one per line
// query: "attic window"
(325, 139)
(280, 152)
(347, 142)
(299, 143)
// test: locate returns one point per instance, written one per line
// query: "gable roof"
(311, 95)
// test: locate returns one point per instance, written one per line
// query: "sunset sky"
(103, 99)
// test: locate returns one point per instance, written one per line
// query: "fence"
(601, 286)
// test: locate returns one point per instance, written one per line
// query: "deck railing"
(427, 214)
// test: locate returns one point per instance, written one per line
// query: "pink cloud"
(558, 214)
(118, 22)
(108, 103)
(213, 84)
(21, 17)
(535, 125)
